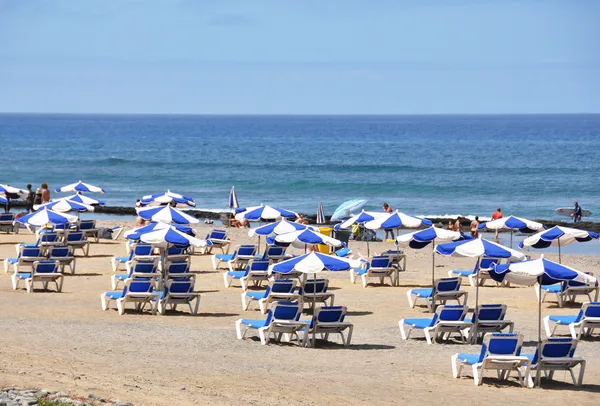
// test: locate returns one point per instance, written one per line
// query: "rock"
(41, 394)
(182, 388)
(61, 394)
(95, 397)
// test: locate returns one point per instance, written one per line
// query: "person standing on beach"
(457, 225)
(497, 215)
(37, 198)
(577, 213)
(45, 193)
(29, 199)
(388, 209)
(475, 227)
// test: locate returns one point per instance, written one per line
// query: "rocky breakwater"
(28, 397)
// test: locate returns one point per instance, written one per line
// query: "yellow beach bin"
(323, 248)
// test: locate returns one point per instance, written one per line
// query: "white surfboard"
(568, 211)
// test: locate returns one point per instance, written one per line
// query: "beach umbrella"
(13, 192)
(478, 248)
(3, 199)
(396, 219)
(558, 236)
(170, 235)
(264, 212)
(320, 214)
(83, 199)
(542, 271)
(233, 200)
(360, 218)
(79, 187)
(278, 227)
(312, 263)
(421, 238)
(347, 209)
(166, 214)
(306, 237)
(63, 206)
(512, 223)
(135, 233)
(170, 198)
(44, 217)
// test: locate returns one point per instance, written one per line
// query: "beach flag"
(320, 214)
(233, 201)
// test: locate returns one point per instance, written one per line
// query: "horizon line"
(20, 113)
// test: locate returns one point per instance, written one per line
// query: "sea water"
(425, 165)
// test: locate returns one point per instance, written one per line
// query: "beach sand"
(64, 341)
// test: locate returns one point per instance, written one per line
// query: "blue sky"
(300, 57)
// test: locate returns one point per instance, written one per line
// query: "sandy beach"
(64, 341)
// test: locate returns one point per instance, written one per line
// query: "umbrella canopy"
(166, 214)
(264, 212)
(173, 199)
(279, 227)
(346, 209)
(397, 220)
(83, 199)
(63, 206)
(320, 214)
(233, 200)
(315, 262)
(558, 236)
(513, 223)
(479, 247)
(44, 217)
(360, 218)
(529, 272)
(13, 192)
(422, 238)
(137, 232)
(170, 235)
(3, 199)
(301, 238)
(80, 187)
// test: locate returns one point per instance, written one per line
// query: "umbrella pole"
(559, 259)
(539, 345)
(474, 319)
(314, 337)
(511, 236)
(432, 263)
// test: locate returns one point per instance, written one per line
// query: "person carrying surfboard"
(576, 213)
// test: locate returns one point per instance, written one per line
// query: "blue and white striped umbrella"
(320, 214)
(360, 218)
(279, 227)
(422, 238)
(513, 223)
(3, 199)
(170, 198)
(558, 236)
(265, 212)
(233, 200)
(347, 209)
(80, 187)
(83, 199)
(529, 272)
(315, 262)
(170, 235)
(479, 247)
(166, 214)
(302, 238)
(13, 192)
(137, 232)
(44, 217)
(63, 206)
(397, 220)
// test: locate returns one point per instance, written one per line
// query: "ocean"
(423, 165)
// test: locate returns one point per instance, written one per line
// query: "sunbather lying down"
(233, 222)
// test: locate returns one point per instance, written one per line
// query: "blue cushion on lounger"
(253, 323)
(461, 272)
(237, 274)
(419, 323)
(257, 295)
(122, 259)
(563, 319)
(425, 292)
(552, 288)
(114, 295)
(470, 359)
(225, 257)
(24, 275)
(12, 260)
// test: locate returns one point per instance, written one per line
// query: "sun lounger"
(236, 260)
(283, 290)
(42, 271)
(178, 269)
(78, 241)
(64, 255)
(274, 253)
(444, 289)
(567, 291)
(88, 227)
(282, 319)
(138, 270)
(7, 223)
(557, 355)
(379, 267)
(489, 319)
(499, 352)
(25, 256)
(343, 252)
(138, 251)
(446, 320)
(179, 291)
(140, 292)
(330, 320)
(45, 240)
(178, 253)
(216, 239)
(484, 265)
(257, 272)
(582, 324)
(315, 291)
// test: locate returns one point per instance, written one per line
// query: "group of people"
(474, 225)
(40, 196)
